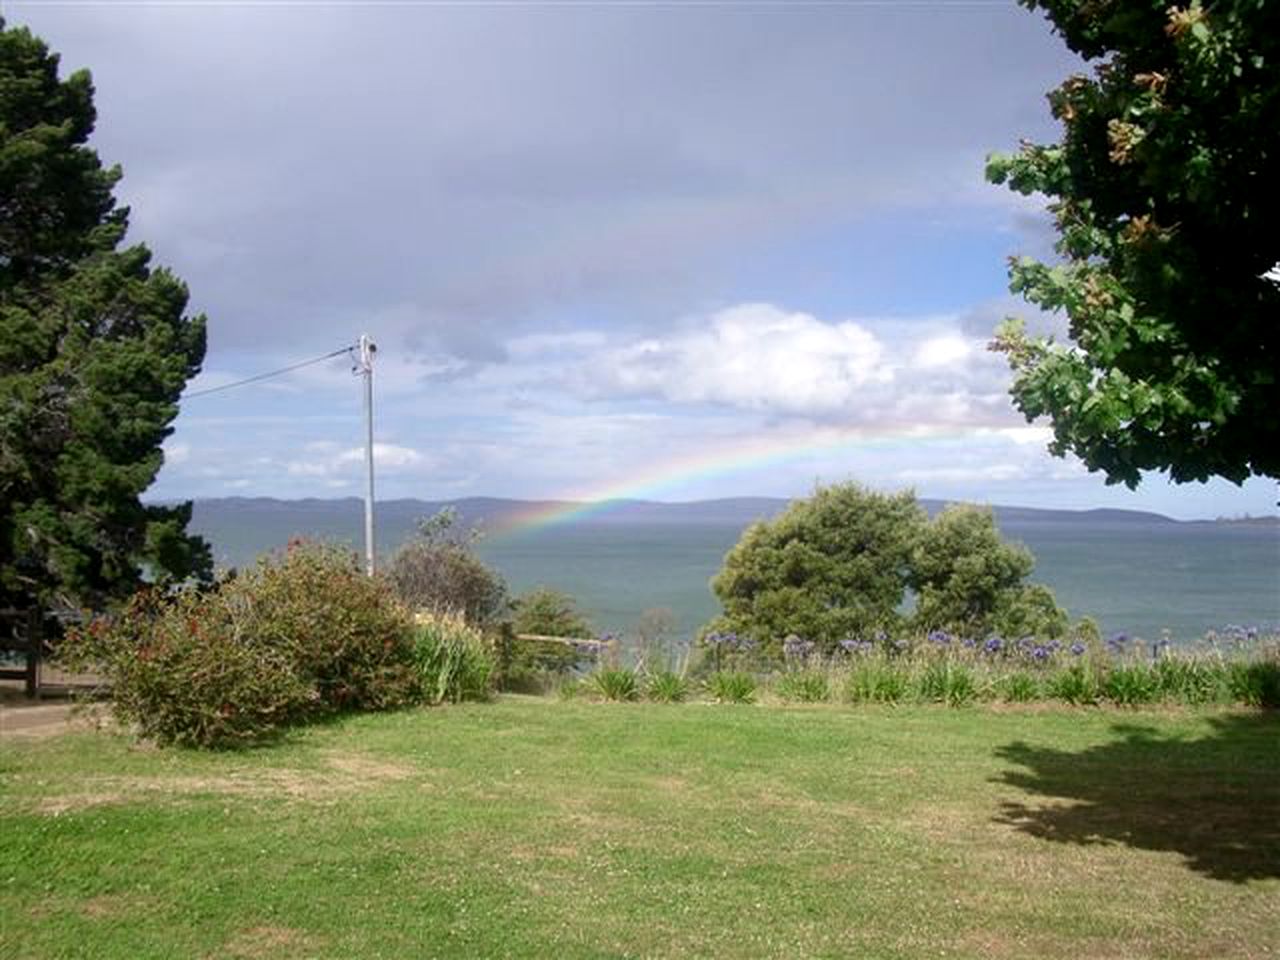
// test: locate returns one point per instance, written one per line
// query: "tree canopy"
(1163, 190)
(545, 612)
(839, 565)
(438, 570)
(95, 349)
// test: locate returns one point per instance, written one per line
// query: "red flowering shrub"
(302, 634)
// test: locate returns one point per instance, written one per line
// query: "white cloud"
(1027, 436)
(176, 453)
(756, 356)
(328, 464)
(945, 351)
(384, 455)
(307, 468)
(997, 472)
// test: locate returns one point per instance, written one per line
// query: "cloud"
(997, 472)
(325, 460)
(465, 171)
(945, 351)
(871, 373)
(755, 356)
(385, 455)
(176, 453)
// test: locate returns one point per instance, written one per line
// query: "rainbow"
(748, 455)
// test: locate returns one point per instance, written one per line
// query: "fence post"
(34, 645)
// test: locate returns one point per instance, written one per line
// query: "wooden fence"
(21, 631)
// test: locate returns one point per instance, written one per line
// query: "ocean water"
(1137, 573)
(1139, 578)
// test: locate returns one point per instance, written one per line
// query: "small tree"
(831, 566)
(967, 579)
(1163, 191)
(838, 566)
(549, 613)
(95, 350)
(438, 570)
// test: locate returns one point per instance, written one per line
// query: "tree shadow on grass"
(1215, 800)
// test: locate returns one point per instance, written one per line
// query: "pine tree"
(95, 350)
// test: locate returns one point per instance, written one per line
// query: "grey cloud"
(488, 165)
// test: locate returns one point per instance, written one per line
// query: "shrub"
(946, 682)
(1073, 684)
(443, 576)
(345, 632)
(300, 635)
(731, 687)
(837, 566)
(1255, 684)
(182, 670)
(1190, 681)
(549, 613)
(528, 665)
(616, 683)
(453, 660)
(1019, 687)
(666, 686)
(804, 686)
(1131, 684)
(876, 681)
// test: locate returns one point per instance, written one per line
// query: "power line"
(268, 375)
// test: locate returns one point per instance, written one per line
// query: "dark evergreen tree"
(95, 350)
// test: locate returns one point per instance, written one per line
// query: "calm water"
(1136, 577)
(1132, 572)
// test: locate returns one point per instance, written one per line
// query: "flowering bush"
(300, 635)
(183, 670)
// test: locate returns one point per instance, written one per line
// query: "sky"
(672, 251)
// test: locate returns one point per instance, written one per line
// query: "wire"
(269, 374)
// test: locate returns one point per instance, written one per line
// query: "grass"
(531, 827)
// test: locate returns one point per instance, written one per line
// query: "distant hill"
(241, 528)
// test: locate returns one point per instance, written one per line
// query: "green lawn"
(532, 828)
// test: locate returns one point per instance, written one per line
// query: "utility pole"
(367, 349)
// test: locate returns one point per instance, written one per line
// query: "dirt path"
(23, 718)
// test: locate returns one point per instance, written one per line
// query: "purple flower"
(940, 637)
(1077, 648)
(1040, 654)
(728, 641)
(969, 642)
(993, 645)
